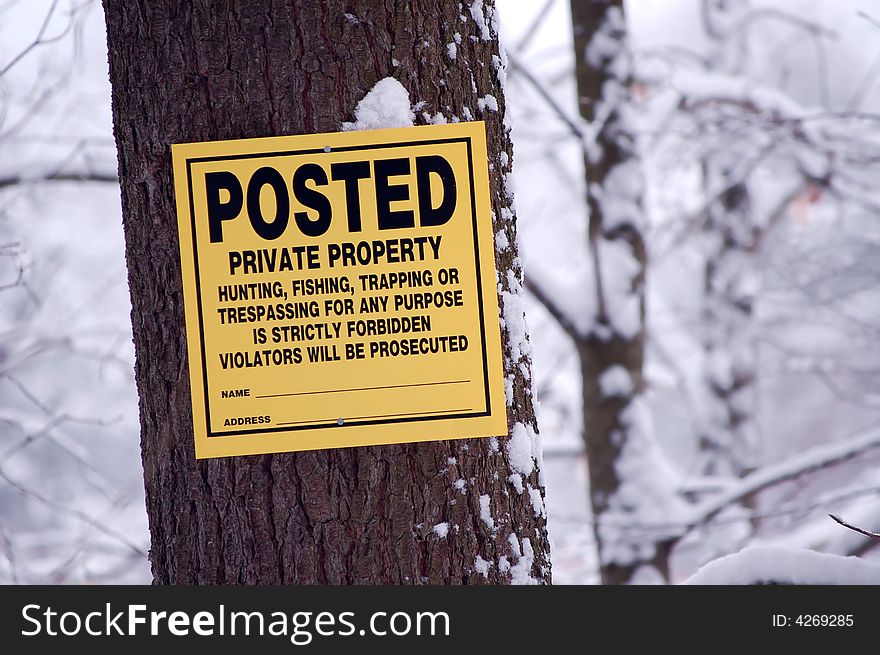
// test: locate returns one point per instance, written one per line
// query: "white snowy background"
(71, 492)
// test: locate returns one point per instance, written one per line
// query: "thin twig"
(534, 27)
(575, 125)
(72, 511)
(768, 13)
(38, 41)
(867, 533)
(564, 321)
(59, 177)
(869, 18)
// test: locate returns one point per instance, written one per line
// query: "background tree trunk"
(612, 354)
(728, 437)
(205, 70)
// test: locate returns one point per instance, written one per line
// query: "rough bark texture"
(207, 70)
(615, 341)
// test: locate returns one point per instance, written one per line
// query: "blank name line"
(390, 386)
(358, 418)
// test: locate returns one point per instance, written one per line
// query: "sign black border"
(353, 422)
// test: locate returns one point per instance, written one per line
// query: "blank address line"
(360, 418)
(390, 386)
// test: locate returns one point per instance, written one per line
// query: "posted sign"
(339, 289)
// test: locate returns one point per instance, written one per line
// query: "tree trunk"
(612, 354)
(728, 439)
(206, 70)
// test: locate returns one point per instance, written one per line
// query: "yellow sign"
(339, 289)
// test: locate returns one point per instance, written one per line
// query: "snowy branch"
(812, 460)
(867, 533)
(764, 565)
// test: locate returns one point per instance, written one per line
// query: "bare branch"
(698, 219)
(813, 459)
(869, 18)
(38, 40)
(708, 24)
(769, 13)
(822, 69)
(78, 514)
(861, 92)
(8, 4)
(575, 125)
(867, 533)
(564, 321)
(535, 26)
(563, 452)
(58, 177)
(669, 53)
(781, 208)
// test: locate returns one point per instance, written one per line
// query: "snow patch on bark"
(509, 183)
(486, 512)
(616, 381)
(514, 319)
(621, 196)
(479, 17)
(521, 572)
(488, 101)
(605, 46)
(519, 449)
(385, 105)
(537, 502)
(648, 494)
(441, 529)
(619, 268)
(516, 480)
(499, 63)
(436, 119)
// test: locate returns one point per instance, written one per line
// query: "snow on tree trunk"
(728, 435)
(629, 486)
(468, 511)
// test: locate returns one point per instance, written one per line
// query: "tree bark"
(612, 353)
(206, 70)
